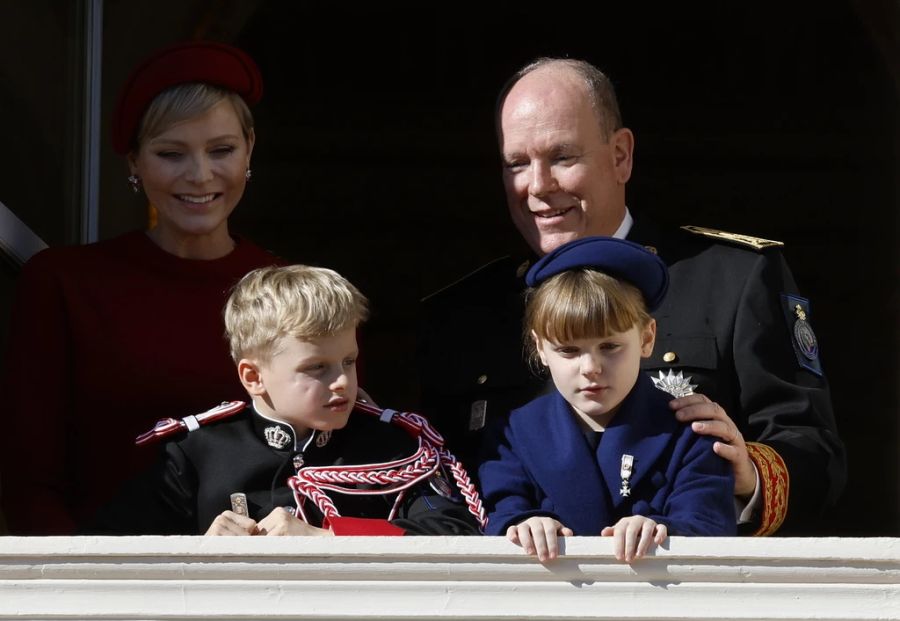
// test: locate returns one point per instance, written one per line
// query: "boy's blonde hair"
(581, 303)
(295, 300)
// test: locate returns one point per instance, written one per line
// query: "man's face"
(563, 178)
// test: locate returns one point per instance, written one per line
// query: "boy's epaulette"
(757, 243)
(169, 426)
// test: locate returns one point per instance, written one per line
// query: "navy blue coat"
(544, 465)
(724, 317)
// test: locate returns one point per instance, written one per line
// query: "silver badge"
(277, 438)
(442, 486)
(323, 438)
(239, 503)
(676, 384)
(625, 472)
(477, 415)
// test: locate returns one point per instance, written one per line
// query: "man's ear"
(648, 338)
(538, 348)
(251, 377)
(622, 145)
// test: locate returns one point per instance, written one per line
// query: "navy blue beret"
(617, 257)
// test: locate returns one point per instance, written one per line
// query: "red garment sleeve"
(37, 386)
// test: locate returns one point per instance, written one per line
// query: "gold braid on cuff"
(776, 484)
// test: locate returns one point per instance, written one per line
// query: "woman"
(107, 338)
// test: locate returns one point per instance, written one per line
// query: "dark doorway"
(376, 156)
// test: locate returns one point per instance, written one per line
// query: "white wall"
(444, 578)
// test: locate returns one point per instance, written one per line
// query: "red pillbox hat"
(196, 61)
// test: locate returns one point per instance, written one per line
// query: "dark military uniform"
(728, 321)
(193, 481)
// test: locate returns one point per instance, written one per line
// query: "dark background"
(376, 156)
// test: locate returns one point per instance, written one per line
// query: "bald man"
(735, 344)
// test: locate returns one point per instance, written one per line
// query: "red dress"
(105, 339)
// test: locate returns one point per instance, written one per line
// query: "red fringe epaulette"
(169, 426)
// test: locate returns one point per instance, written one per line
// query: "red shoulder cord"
(169, 426)
(394, 477)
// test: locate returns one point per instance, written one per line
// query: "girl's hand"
(633, 536)
(538, 536)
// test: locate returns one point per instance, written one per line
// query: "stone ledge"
(444, 578)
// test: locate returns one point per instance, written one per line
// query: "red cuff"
(342, 526)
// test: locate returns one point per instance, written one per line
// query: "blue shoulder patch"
(803, 339)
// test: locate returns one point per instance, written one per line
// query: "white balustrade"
(444, 578)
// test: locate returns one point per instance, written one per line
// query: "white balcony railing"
(444, 578)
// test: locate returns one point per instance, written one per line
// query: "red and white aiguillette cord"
(393, 477)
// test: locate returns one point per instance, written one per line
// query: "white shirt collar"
(624, 228)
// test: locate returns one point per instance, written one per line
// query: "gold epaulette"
(776, 486)
(757, 243)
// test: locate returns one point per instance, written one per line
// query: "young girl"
(602, 454)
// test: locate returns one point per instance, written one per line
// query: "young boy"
(289, 463)
(602, 454)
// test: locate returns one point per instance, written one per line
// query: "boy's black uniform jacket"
(198, 471)
(727, 323)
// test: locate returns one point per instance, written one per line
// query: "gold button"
(670, 356)
(481, 379)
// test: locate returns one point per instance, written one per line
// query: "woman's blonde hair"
(581, 303)
(295, 300)
(186, 101)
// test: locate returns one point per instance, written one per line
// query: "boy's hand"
(281, 523)
(538, 536)
(230, 523)
(633, 536)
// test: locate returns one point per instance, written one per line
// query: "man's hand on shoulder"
(710, 419)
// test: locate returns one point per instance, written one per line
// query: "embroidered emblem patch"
(276, 437)
(323, 438)
(803, 339)
(676, 384)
